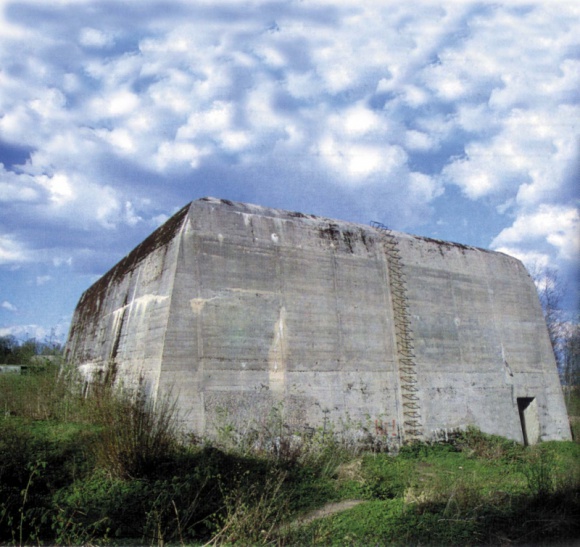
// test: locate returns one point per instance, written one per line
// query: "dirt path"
(328, 509)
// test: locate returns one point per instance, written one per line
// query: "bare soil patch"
(327, 510)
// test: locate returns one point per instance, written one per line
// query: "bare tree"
(551, 291)
(571, 355)
(564, 330)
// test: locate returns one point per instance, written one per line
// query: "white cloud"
(58, 186)
(60, 261)
(36, 332)
(172, 154)
(302, 85)
(477, 178)
(424, 188)
(11, 193)
(17, 188)
(121, 140)
(11, 250)
(418, 140)
(8, 306)
(557, 225)
(213, 120)
(159, 220)
(360, 121)
(354, 163)
(80, 203)
(529, 154)
(118, 103)
(131, 217)
(92, 37)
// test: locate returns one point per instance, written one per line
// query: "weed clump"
(136, 434)
(474, 443)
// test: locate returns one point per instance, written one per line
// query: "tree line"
(17, 352)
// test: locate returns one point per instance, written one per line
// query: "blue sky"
(453, 120)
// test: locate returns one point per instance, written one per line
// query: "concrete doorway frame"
(528, 411)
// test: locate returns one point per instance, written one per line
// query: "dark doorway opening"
(528, 410)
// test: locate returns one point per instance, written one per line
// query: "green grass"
(441, 497)
(108, 469)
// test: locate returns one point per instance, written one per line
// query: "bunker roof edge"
(163, 235)
(293, 215)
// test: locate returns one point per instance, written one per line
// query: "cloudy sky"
(454, 120)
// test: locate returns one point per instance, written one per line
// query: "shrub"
(540, 473)
(34, 464)
(477, 444)
(174, 505)
(385, 477)
(36, 394)
(252, 511)
(137, 434)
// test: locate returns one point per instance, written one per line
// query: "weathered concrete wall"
(480, 340)
(120, 323)
(237, 308)
(278, 308)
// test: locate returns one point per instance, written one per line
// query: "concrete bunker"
(240, 309)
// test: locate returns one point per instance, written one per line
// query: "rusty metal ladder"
(403, 334)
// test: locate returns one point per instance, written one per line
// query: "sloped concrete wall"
(240, 309)
(480, 340)
(271, 309)
(120, 323)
